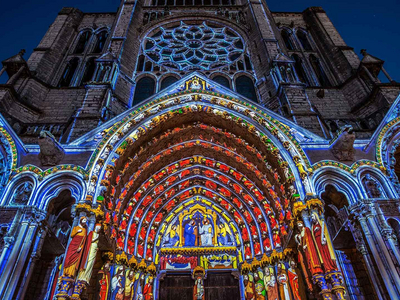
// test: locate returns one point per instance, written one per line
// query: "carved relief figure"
(190, 233)
(23, 193)
(372, 187)
(206, 233)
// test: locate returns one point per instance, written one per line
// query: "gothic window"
(144, 89)
(245, 87)
(248, 63)
(298, 66)
(319, 71)
(68, 73)
(287, 40)
(167, 81)
(89, 71)
(222, 80)
(304, 41)
(101, 41)
(82, 42)
(140, 64)
(193, 47)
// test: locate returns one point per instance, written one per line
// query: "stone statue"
(75, 251)
(51, 151)
(308, 252)
(22, 193)
(372, 187)
(91, 248)
(342, 146)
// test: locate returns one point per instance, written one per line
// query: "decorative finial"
(363, 52)
(22, 52)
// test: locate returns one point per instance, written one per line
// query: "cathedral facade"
(198, 149)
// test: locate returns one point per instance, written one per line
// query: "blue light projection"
(194, 47)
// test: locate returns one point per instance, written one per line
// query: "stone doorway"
(221, 285)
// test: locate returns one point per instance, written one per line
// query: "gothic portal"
(198, 150)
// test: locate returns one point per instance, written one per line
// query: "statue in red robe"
(76, 249)
(148, 289)
(294, 280)
(307, 248)
(104, 281)
(322, 241)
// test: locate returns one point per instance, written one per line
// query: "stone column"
(362, 248)
(18, 257)
(35, 255)
(364, 215)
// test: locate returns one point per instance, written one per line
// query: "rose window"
(185, 47)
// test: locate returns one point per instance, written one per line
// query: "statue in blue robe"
(190, 233)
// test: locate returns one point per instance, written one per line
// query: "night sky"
(368, 24)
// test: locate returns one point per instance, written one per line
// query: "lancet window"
(80, 63)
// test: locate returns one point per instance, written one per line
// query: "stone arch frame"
(53, 185)
(223, 74)
(96, 32)
(163, 76)
(15, 183)
(176, 207)
(137, 79)
(309, 37)
(151, 26)
(76, 40)
(10, 155)
(341, 180)
(388, 141)
(291, 37)
(280, 138)
(378, 176)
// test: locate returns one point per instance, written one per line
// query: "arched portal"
(199, 184)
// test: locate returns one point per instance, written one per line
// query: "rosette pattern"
(194, 47)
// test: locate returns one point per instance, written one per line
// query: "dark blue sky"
(368, 24)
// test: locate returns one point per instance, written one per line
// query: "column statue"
(283, 282)
(294, 280)
(270, 284)
(324, 245)
(91, 247)
(104, 281)
(75, 248)
(308, 252)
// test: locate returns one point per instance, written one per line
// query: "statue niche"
(22, 193)
(372, 187)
